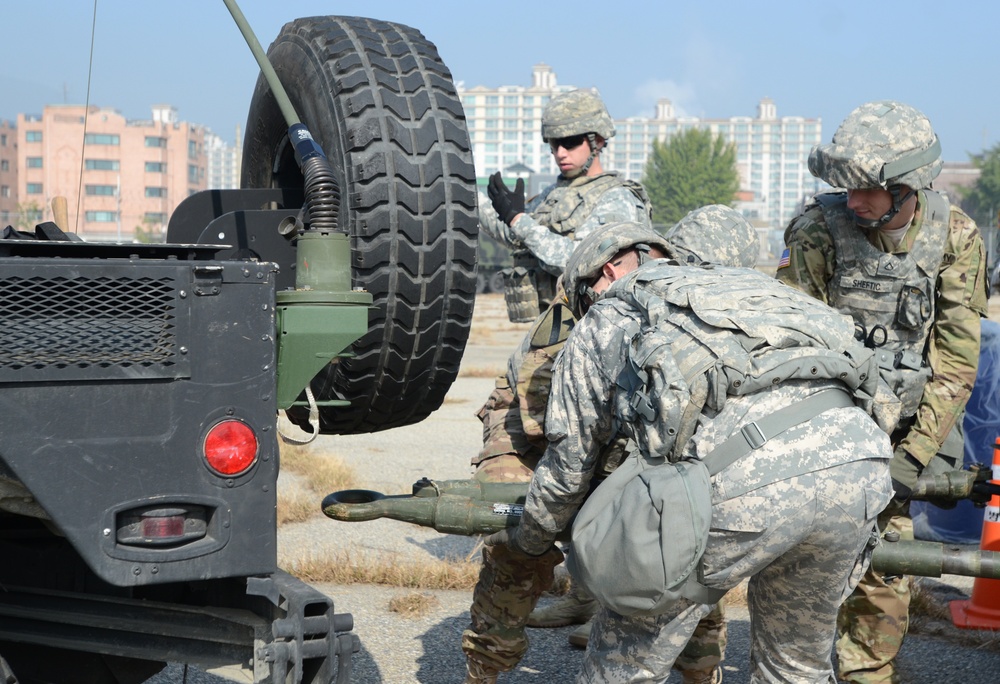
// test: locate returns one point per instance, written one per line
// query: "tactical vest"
(729, 332)
(896, 291)
(564, 207)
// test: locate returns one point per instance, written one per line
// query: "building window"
(529, 99)
(4, 165)
(154, 217)
(192, 149)
(34, 162)
(4, 191)
(156, 167)
(33, 136)
(104, 190)
(156, 192)
(34, 189)
(101, 164)
(492, 99)
(155, 141)
(3, 140)
(193, 174)
(101, 139)
(100, 216)
(469, 100)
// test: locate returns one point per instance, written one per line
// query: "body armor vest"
(564, 207)
(891, 297)
(729, 332)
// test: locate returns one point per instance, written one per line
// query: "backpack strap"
(755, 434)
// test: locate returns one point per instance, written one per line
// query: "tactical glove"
(904, 470)
(507, 204)
(508, 537)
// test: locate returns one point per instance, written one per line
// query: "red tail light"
(230, 448)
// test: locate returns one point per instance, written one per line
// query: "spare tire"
(383, 107)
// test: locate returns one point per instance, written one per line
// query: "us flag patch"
(785, 258)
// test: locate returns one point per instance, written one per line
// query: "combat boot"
(581, 635)
(477, 673)
(575, 608)
(712, 675)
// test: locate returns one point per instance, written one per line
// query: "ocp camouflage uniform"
(513, 440)
(796, 515)
(933, 287)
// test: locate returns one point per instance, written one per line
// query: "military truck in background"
(140, 384)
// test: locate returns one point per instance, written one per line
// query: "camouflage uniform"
(875, 617)
(795, 515)
(513, 441)
(928, 292)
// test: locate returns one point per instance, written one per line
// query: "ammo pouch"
(527, 289)
(638, 539)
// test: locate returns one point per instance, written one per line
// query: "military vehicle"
(141, 384)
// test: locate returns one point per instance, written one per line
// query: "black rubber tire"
(383, 106)
(495, 283)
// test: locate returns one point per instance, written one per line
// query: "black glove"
(506, 203)
(904, 470)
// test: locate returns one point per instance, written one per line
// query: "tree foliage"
(691, 169)
(982, 200)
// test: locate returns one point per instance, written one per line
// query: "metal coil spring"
(322, 194)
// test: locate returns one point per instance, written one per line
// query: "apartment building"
(8, 173)
(505, 124)
(223, 161)
(134, 172)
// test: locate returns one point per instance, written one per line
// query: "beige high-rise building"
(134, 172)
(8, 174)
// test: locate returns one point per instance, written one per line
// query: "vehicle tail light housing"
(230, 448)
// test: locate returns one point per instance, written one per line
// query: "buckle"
(754, 436)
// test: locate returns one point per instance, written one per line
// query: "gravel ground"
(399, 650)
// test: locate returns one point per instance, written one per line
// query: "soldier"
(909, 268)
(514, 440)
(544, 231)
(796, 511)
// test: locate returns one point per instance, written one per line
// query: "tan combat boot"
(710, 676)
(581, 635)
(477, 673)
(575, 608)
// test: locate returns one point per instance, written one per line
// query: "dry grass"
(930, 615)
(345, 568)
(414, 604)
(318, 475)
(479, 372)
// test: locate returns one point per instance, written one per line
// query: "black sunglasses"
(570, 143)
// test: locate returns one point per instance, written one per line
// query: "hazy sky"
(713, 59)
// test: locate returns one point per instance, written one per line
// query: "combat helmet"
(714, 234)
(577, 112)
(588, 258)
(883, 144)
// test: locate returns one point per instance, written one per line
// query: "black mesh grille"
(77, 322)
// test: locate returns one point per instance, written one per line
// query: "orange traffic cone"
(982, 609)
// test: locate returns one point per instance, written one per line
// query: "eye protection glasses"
(570, 143)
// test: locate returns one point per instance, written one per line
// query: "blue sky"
(713, 59)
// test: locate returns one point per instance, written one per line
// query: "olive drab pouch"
(639, 538)
(520, 294)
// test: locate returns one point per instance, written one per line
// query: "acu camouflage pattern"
(952, 350)
(821, 519)
(513, 440)
(714, 234)
(576, 113)
(879, 144)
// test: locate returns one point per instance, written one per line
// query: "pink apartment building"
(8, 173)
(134, 173)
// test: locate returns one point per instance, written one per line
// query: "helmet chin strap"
(898, 199)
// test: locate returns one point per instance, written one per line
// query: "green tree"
(982, 200)
(691, 169)
(29, 214)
